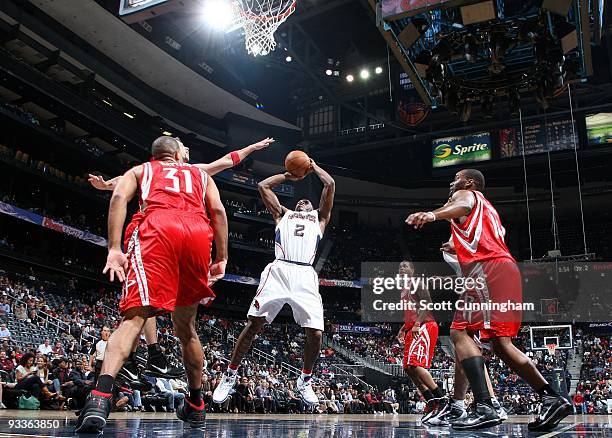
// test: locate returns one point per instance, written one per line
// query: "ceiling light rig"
(493, 60)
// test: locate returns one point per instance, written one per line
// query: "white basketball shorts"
(288, 283)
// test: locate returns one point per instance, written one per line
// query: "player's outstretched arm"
(268, 196)
(116, 262)
(327, 195)
(233, 158)
(460, 204)
(218, 220)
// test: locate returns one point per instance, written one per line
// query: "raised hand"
(263, 143)
(98, 182)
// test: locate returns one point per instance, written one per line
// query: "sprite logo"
(442, 151)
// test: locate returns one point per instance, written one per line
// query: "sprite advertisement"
(451, 151)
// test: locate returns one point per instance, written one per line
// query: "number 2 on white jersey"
(176, 182)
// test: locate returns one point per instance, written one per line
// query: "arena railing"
(339, 370)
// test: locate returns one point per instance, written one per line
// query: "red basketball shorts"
(169, 260)
(419, 350)
(491, 309)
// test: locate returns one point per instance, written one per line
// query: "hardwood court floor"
(133, 425)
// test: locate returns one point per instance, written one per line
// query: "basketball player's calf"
(314, 340)
(469, 355)
(554, 407)
(98, 405)
(183, 319)
(243, 345)
(454, 409)
(434, 396)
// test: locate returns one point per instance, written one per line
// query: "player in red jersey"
(419, 334)
(167, 268)
(478, 238)
(157, 365)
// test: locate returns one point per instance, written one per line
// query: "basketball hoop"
(551, 349)
(260, 19)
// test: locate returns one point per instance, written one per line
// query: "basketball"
(297, 163)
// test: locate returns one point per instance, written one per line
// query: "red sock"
(195, 407)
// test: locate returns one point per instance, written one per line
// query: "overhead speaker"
(559, 7)
(478, 12)
(411, 33)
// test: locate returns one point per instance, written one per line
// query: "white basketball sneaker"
(222, 390)
(306, 392)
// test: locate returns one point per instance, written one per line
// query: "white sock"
(460, 403)
(231, 372)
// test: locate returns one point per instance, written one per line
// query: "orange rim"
(290, 10)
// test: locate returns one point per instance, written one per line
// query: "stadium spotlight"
(364, 74)
(378, 70)
(288, 58)
(328, 72)
(350, 78)
(128, 115)
(168, 133)
(218, 14)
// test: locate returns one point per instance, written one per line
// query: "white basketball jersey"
(297, 236)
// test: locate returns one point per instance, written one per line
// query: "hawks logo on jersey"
(481, 236)
(297, 236)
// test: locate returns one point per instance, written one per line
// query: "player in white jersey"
(289, 279)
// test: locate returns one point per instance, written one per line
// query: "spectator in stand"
(20, 312)
(88, 349)
(420, 406)
(263, 396)
(4, 332)
(57, 349)
(5, 307)
(207, 389)
(175, 398)
(26, 376)
(7, 364)
(244, 397)
(78, 384)
(73, 348)
(47, 388)
(45, 348)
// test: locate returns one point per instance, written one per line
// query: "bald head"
(477, 177)
(165, 146)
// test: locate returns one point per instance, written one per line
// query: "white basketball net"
(260, 19)
(551, 349)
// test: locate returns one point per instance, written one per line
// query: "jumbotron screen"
(599, 128)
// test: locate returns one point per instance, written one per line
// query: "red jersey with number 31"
(481, 236)
(166, 185)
